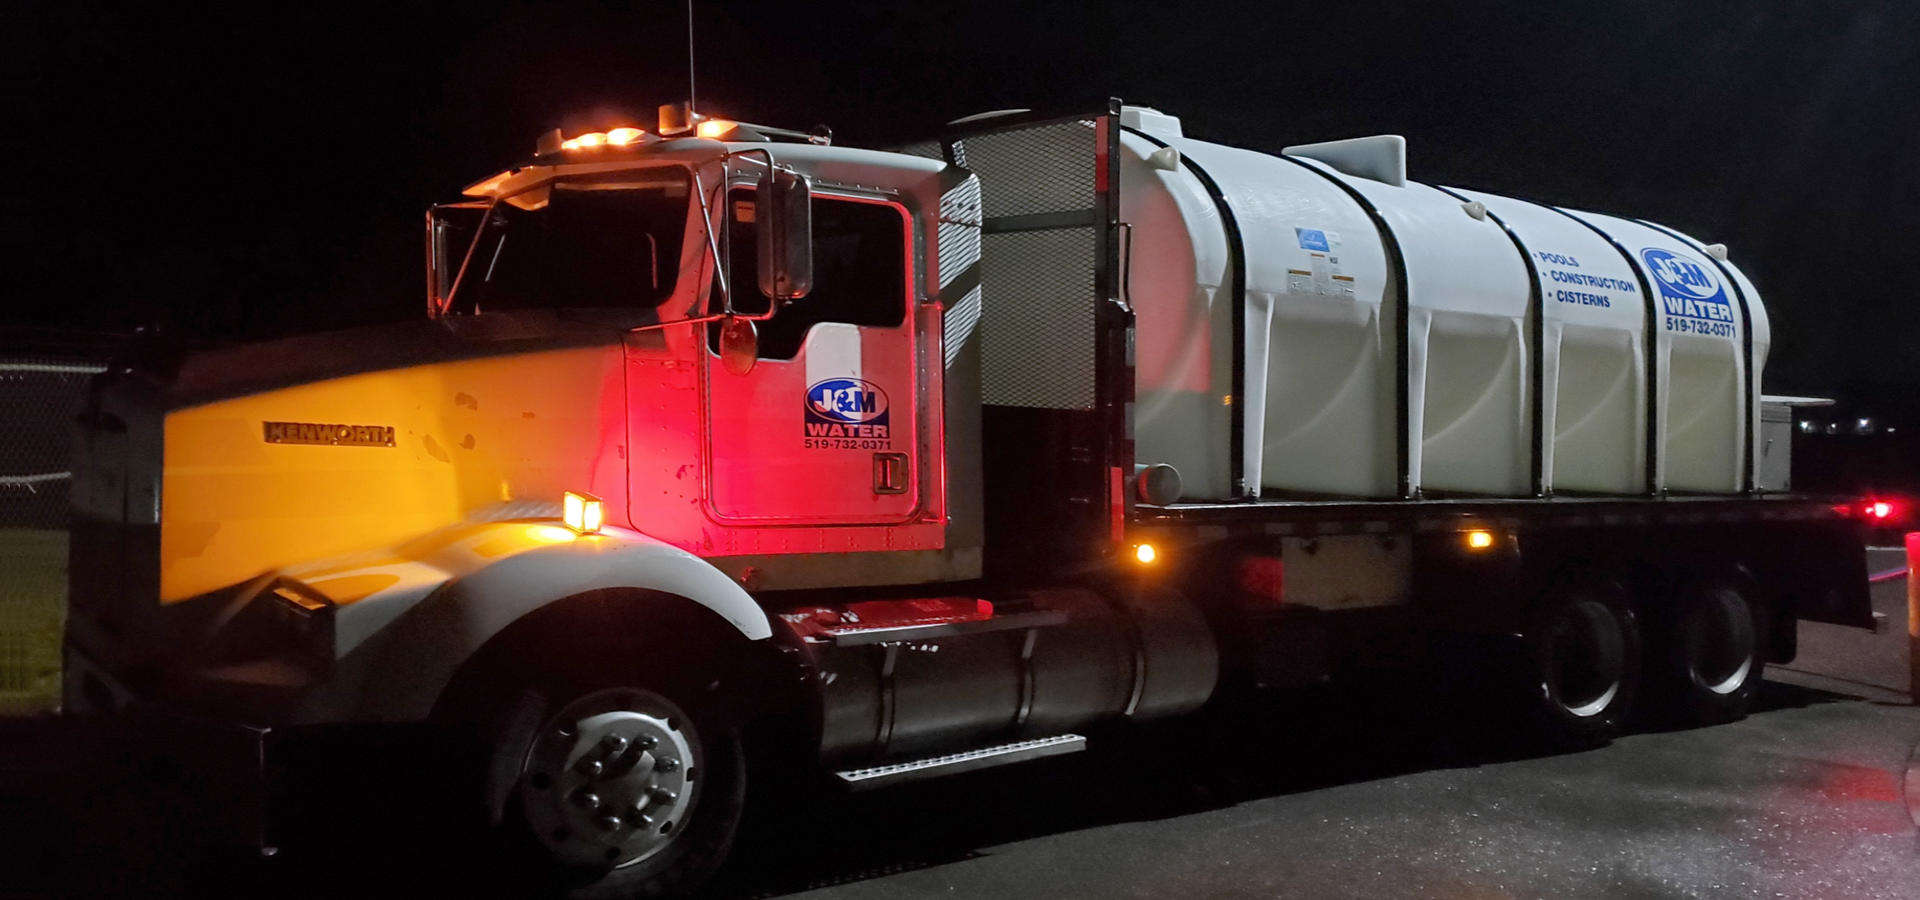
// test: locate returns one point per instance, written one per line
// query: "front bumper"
(185, 768)
(228, 785)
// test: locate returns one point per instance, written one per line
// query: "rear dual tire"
(1581, 664)
(1712, 655)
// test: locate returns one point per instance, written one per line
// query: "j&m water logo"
(1679, 275)
(846, 407)
(1690, 295)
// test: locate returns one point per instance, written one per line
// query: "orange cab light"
(713, 128)
(1479, 540)
(584, 513)
(591, 139)
(1145, 553)
(623, 136)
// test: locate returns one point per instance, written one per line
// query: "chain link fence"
(43, 382)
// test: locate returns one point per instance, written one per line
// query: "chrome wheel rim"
(1586, 659)
(611, 779)
(1720, 643)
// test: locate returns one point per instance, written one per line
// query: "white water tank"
(1593, 357)
(1318, 358)
(1395, 338)
(1467, 308)
(1701, 396)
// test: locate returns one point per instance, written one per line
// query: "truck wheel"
(609, 790)
(1583, 655)
(1713, 659)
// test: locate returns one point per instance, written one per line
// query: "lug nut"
(590, 767)
(662, 795)
(613, 745)
(646, 742)
(610, 823)
(639, 819)
(665, 764)
(586, 800)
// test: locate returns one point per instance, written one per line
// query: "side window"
(859, 271)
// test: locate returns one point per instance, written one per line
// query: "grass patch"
(33, 605)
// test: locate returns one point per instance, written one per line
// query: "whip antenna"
(690, 106)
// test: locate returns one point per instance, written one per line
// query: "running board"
(955, 763)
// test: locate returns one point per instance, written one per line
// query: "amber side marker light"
(1479, 540)
(1145, 554)
(584, 513)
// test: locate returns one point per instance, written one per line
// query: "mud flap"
(1823, 575)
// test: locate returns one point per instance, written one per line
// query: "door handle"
(890, 473)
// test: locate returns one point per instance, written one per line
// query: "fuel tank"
(1313, 323)
(908, 676)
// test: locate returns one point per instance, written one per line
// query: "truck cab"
(755, 430)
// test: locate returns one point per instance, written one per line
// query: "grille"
(959, 265)
(959, 231)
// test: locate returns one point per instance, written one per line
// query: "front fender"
(400, 645)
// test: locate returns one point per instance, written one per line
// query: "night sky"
(264, 171)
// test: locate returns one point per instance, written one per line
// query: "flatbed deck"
(1285, 516)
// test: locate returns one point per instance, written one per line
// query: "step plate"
(955, 763)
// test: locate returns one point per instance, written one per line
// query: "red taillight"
(1878, 512)
(1262, 578)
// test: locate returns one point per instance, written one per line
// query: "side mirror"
(739, 345)
(783, 209)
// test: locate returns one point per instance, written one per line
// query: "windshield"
(613, 241)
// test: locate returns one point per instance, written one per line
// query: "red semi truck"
(722, 446)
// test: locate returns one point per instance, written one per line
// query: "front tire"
(597, 786)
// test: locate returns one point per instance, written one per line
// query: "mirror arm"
(713, 243)
(726, 288)
(713, 247)
(727, 312)
(461, 277)
(653, 262)
(702, 320)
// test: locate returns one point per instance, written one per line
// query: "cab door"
(826, 427)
